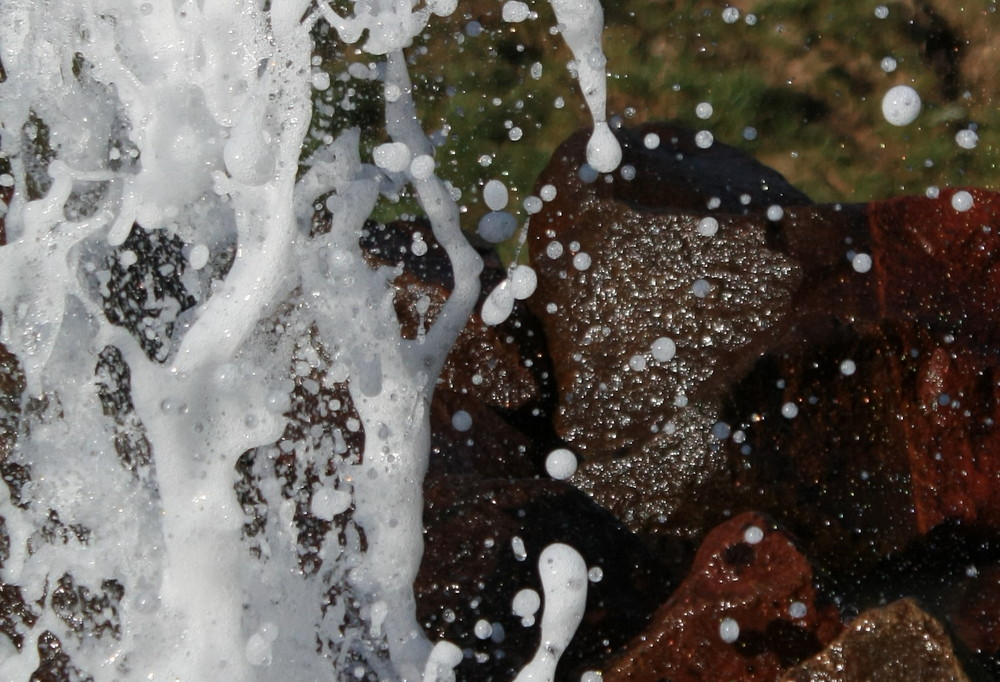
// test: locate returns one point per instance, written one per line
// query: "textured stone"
(894, 643)
(748, 572)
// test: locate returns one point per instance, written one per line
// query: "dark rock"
(973, 612)
(472, 570)
(750, 571)
(898, 642)
(618, 270)
(756, 409)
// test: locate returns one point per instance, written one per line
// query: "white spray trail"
(187, 119)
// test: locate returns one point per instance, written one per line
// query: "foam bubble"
(582, 261)
(198, 256)
(708, 226)
(560, 464)
(603, 151)
(392, 156)
(495, 195)
(753, 535)
(497, 226)
(514, 11)
(461, 420)
(729, 630)
(961, 201)
(523, 282)
(901, 105)
(966, 139)
(663, 349)
(327, 503)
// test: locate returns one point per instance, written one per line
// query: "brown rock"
(894, 643)
(747, 572)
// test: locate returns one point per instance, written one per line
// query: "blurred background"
(796, 83)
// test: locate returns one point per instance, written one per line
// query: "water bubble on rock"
(258, 650)
(461, 420)
(729, 630)
(560, 464)
(588, 173)
(582, 261)
(961, 201)
(721, 430)
(861, 262)
(708, 226)
(797, 610)
(663, 349)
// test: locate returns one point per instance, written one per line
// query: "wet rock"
(874, 419)
(483, 538)
(828, 364)
(750, 608)
(898, 642)
(651, 311)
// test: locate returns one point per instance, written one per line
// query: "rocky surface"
(894, 643)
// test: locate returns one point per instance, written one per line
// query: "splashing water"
(159, 278)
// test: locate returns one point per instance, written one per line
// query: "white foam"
(564, 583)
(901, 105)
(560, 463)
(581, 23)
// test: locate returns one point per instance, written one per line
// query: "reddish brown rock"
(894, 643)
(749, 609)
